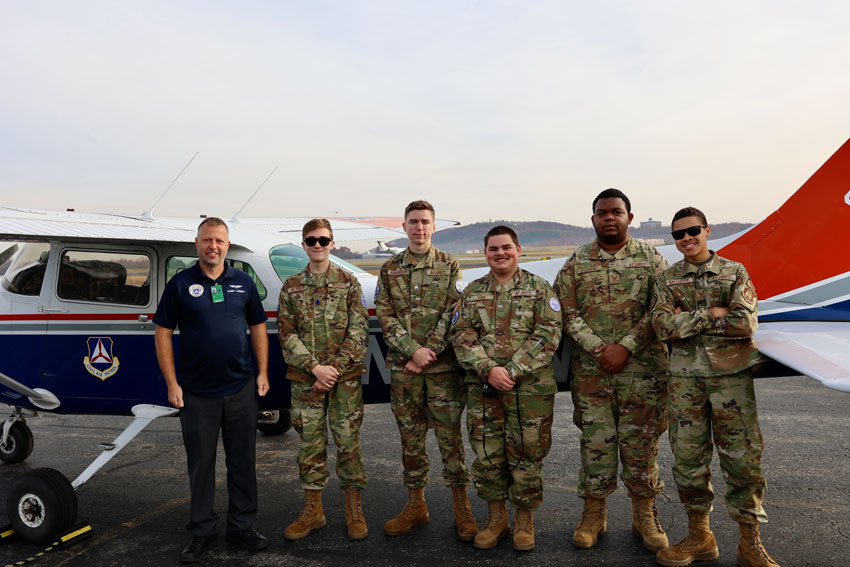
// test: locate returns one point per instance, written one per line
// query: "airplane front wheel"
(41, 504)
(274, 422)
(18, 445)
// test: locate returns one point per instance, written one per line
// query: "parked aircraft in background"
(383, 250)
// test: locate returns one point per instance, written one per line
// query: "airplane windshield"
(26, 272)
(289, 259)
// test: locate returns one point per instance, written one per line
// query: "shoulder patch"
(460, 285)
(377, 290)
(554, 304)
(363, 299)
(455, 316)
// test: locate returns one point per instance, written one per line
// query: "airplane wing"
(34, 225)
(815, 348)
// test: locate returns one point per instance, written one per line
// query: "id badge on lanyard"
(216, 293)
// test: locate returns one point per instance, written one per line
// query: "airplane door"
(100, 353)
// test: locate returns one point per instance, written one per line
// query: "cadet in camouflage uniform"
(323, 329)
(706, 305)
(619, 366)
(505, 334)
(416, 295)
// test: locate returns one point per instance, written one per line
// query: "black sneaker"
(197, 547)
(248, 539)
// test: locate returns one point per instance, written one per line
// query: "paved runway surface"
(138, 504)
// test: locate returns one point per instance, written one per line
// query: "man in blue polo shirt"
(211, 303)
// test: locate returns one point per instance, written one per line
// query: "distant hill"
(458, 239)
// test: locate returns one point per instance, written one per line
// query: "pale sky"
(522, 110)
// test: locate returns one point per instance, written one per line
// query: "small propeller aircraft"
(79, 292)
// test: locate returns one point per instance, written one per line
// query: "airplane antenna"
(234, 219)
(148, 214)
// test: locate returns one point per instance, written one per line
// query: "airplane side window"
(289, 259)
(25, 273)
(105, 277)
(176, 264)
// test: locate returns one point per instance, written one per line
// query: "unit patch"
(377, 290)
(455, 317)
(460, 285)
(363, 299)
(554, 304)
(100, 361)
(196, 290)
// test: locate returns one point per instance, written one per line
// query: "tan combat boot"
(354, 514)
(698, 545)
(751, 552)
(311, 517)
(645, 524)
(464, 520)
(593, 523)
(415, 513)
(523, 530)
(497, 525)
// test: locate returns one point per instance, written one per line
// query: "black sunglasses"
(312, 240)
(691, 231)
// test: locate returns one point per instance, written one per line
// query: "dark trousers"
(236, 417)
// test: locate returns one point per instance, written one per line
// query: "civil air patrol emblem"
(460, 285)
(377, 290)
(554, 304)
(100, 361)
(363, 299)
(196, 290)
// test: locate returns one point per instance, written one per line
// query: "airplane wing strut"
(145, 415)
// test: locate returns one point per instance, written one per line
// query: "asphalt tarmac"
(138, 504)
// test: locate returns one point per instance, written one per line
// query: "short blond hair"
(317, 224)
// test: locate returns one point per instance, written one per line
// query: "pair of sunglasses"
(312, 240)
(690, 231)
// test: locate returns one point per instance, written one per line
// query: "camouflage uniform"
(516, 325)
(711, 384)
(605, 299)
(414, 301)
(322, 319)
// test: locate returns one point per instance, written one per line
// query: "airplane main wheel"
(41, 504)
(278, 427)
(18, 445)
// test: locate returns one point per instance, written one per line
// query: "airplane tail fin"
(804, 241)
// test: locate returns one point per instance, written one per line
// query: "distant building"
(650, 224)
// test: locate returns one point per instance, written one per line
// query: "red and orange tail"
(806, 240)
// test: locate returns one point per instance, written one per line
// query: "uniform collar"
(200, 274)
(516, 281)
(712, 266)
(427, 261)
(333, 275)
(628, 249)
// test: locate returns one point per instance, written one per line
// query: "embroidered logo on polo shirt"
(196, 290)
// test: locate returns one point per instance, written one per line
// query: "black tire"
(41, 504)
(18, 445)
(281, 426)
